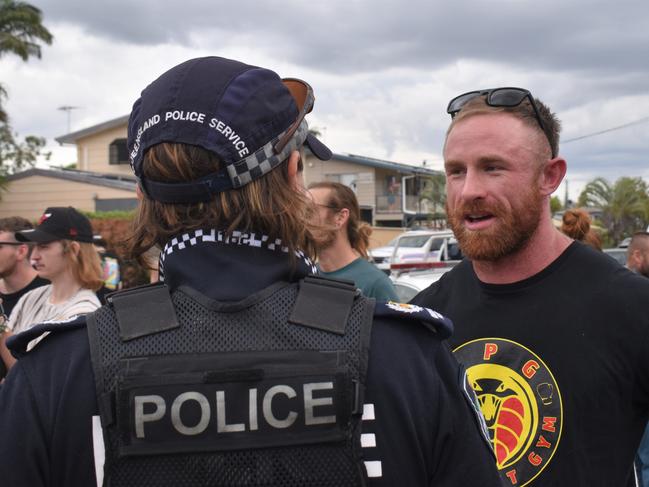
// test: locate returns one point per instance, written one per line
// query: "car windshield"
(414, 241)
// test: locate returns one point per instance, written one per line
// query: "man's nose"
(473, 187)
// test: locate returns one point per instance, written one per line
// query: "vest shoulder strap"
(324, 303)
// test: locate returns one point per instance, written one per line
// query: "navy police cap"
(246, 115)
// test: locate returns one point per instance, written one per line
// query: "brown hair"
(576, 225)
(268, 204)
(341, 196)
(85, 264)
(15, 224)
(523, 111)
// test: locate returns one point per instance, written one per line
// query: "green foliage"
(21, 29)
(17, 155)
(110, 215)
(21, 32)
(434, 191)
(625, 205)
(555, 204)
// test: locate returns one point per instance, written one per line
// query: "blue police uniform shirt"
(418, 428)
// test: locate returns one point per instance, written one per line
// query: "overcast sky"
(383, 71)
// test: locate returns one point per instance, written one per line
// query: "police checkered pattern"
(264, 159)
(190, 239)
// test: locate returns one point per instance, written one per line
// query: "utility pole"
(68, 109)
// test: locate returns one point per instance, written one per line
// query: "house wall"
(28, 197)
(92, 152)
(316, 170)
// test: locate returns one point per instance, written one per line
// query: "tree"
(21, 29)
(434, 192)
(555, 204)
(624, 204)
(21, 32)
(16, 155)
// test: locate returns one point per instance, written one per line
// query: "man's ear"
(342, 217)
(552, 174)
(295, 175)
(75, 247)
(23, 252)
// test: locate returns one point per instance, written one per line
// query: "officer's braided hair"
(269, 205)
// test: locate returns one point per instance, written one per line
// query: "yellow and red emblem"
(521, 404)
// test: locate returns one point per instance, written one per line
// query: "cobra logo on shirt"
(520, 402)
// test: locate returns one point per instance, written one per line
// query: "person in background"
(638, 261)
(17, 276)
(64, 254)
(554, 334)
(343, 251)
(576, 225)
(638, 254)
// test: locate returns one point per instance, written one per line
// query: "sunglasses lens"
(506, 97)
(456, 104)
(302, 94)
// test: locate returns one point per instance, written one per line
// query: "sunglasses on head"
(499, 97)
(302, 93)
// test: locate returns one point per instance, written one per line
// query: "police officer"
(241, 367)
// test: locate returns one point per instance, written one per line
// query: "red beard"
(509, 233)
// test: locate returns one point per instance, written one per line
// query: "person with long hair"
(64, 254)
(342, 251)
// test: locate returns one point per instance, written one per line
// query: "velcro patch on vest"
(232, 401)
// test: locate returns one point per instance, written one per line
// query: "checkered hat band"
(265, 160)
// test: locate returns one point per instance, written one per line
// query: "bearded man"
(553, 334)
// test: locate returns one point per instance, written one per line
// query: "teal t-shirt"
(370, 280)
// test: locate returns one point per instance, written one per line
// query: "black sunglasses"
(304, 98)
(499, 97)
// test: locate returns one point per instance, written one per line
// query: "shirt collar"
(229, 268)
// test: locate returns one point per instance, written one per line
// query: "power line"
(605, 131)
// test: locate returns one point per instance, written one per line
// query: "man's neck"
(543, 248)
(337, 255)
(19, 279)
(64, 286)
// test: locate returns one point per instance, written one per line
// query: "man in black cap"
(241, 367)
(63, 254)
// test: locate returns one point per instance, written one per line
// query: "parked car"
(407, 285)
(425, 249)
(619, 254)
(381, 255)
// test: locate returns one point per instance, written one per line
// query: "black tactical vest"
(267, 391)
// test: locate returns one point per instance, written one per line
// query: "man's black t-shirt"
(10, 300)
(560, 364)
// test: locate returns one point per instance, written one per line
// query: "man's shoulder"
(56, 331)
(37, 293)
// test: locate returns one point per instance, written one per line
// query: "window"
(117, 152)
(350, 180)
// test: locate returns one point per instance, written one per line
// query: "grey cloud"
(362, 35)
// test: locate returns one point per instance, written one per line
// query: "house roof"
(72, 137)
(383, 164)
(115, 181)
